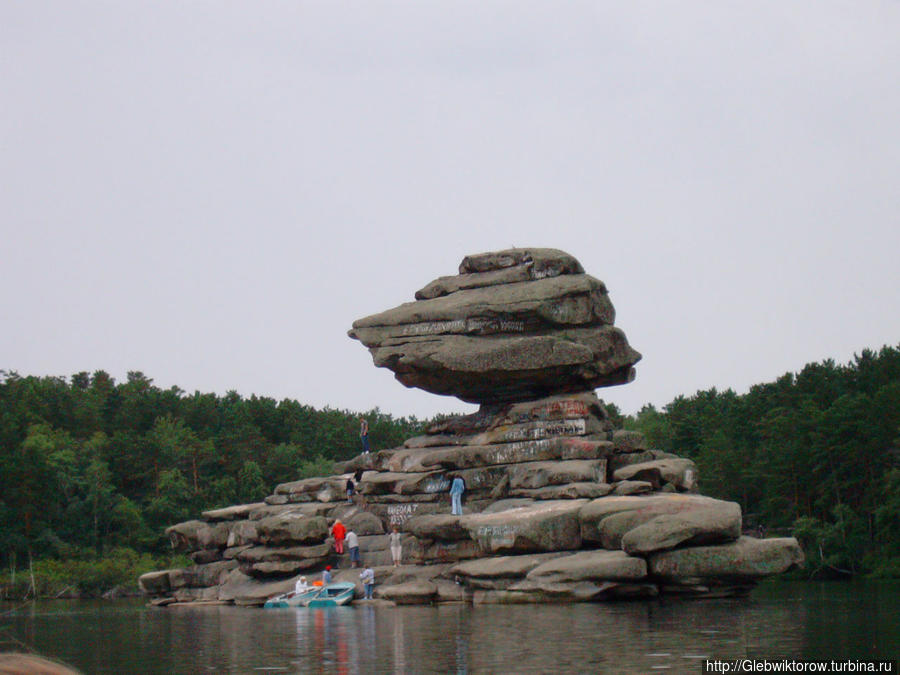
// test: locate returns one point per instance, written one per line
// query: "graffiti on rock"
(400, 513)
(494, 537)
(441, 484)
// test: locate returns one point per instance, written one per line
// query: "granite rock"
(747, 559)
(642, 524)
(527, 335)
(534, 328)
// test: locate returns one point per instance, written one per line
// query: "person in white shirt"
(396, 546)
(301, 586)
(368, 579)
(353, 548)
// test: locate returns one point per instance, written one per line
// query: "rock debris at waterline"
(559, 507)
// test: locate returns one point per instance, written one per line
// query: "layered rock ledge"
(559, 506)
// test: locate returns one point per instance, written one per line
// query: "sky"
(211, 192)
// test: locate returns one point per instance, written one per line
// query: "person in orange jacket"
(338, 531)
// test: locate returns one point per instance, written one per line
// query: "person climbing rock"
(351, 490)
(358, 498)
(338, 531)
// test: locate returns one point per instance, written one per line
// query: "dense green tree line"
(814, 453)
(90, 465)
(92, 469)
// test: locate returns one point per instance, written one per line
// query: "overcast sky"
(211, 192)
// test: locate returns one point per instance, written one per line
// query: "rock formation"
(559, 505)
(512, 326)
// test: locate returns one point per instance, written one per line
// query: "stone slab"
(679, 519)
(745, 559)
(596, 565)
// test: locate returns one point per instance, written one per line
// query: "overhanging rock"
(533, 327)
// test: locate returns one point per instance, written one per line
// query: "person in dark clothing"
(364, 434)
(351, 488)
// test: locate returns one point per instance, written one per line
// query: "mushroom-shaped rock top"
(513, 325)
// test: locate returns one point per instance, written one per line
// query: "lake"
(780, 619)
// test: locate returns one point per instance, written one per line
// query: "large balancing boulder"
(513, 326)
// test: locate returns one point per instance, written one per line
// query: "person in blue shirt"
(326, 575)
(456, 491)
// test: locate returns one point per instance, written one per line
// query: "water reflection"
(399, 644)
(779, 621)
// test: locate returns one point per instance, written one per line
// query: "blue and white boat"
(333, 595)
(293, 599)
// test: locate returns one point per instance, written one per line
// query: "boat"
(292, 599)
(333, 595)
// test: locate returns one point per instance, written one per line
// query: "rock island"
(559, 505)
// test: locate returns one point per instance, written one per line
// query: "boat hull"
(333, 595)
(291, 599)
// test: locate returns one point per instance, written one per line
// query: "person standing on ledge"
(364, 434)
(456, 492)
(396, 546)
(368, 579)
(326, 575)
(353, 547)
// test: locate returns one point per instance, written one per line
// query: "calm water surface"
(779, 620)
